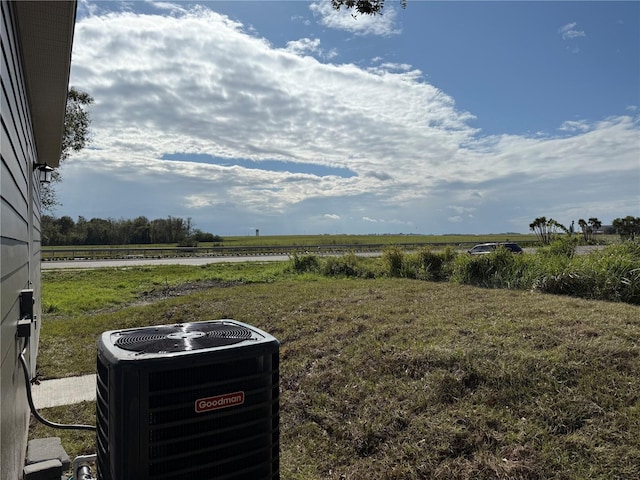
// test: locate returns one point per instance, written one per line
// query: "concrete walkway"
(64, 391)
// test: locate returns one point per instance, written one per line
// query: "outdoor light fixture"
(44, 172)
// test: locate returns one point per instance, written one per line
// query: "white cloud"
(172, 8)
(403, 71)
(569, 31)
(462, 209)
(197, 82)
(304, 45)
(311, 46)
(343, 19)
(575, 126)
(243, 99)
(303, 20)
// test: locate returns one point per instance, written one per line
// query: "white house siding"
(19, 244)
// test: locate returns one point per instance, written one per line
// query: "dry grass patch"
(404, 379)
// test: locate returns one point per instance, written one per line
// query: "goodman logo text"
(219, 401)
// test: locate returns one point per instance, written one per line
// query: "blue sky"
(290, 117)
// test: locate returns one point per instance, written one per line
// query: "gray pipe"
(82, 467)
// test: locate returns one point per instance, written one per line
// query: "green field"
(373, 239)
(390, 378)
(321, 240)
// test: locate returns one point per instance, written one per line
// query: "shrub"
(201, 236)
(431, 265)
(392, 259)
(412, 267)
(427, 265)
(561, 247)
(474, 270)
(630, 287)
(566, 283)
(421, 265)
(498, 269)
(304, 263)
(610, 274)
(188, 242)
(348, 265)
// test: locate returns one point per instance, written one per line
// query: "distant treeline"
(141, 230)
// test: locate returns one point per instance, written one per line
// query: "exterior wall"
(19, 245)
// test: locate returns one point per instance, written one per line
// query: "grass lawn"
(396, 378)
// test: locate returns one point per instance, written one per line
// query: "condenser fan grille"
(182, 337)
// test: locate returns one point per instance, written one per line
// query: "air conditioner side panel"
(118, 433)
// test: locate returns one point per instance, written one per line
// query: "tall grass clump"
(304, 263)
(610, 274)
(421, 265)
(392, 261)
(349, 265)
(560, 247)
(498, 269)
(429, 265)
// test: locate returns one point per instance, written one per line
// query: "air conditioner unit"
(189, 401)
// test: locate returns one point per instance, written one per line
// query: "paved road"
(130, 262)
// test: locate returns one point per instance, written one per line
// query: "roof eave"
(46, 38)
